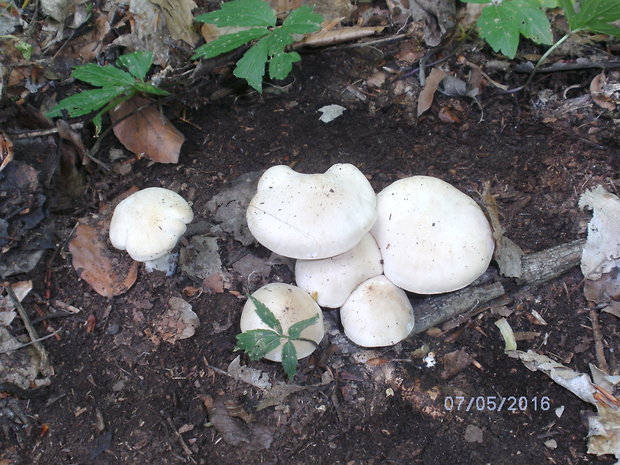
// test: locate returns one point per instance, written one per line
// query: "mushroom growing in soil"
(290, 305)
(433, 238)
(377, 314)
(148, 223)
(331, 280)
(312, 216)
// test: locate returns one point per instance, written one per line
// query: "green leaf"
(258, 342)
(500, 28)
(137, 63)
(228, 42)
(295, 330)
(266, 315)
(149, 88)
(593, 15)
(241, 13)
(289, 360)
(103, 76)
(534, 23)
(303, 20)
(251, 66)
(85, 102)
(282, 63)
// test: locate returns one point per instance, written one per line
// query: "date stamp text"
(496, 403)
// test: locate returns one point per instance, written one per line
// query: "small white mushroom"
(433, 238)
(290, 305)
(149, 223)
(312, 216)
(331, 280)
(377, 314)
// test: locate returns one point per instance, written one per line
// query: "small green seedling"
(258, 21)
(115, 86)
(258, 342)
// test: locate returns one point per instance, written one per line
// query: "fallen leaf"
(178, 322)
(255, 377)
(446, 115)
(599, 96)
(146, 132)
(6, 151)
(179, 20)
(336, 36)
(455, 362)
(234, 431)
(107, 273)
(425, 100)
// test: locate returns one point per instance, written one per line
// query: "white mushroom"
(377, 314)
(331, 280)
(311, 216)
(290, 305)
(433, 237)
(149, 223)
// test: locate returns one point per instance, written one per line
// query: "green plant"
(258, 342)
(259, 22)
(502, 22)
(115, 86)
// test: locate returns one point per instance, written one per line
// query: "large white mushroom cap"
(290, 305)
(377, 314)
(149, 223)
(312, 216)
(433, 237)
(333, 279)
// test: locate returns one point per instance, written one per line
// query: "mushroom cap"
(433, 238)
(149, 223)
(377, 314)
(333, 279)
(290, 305)
(312, 216)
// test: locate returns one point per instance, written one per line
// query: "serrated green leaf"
(533, 22)
(149, 88)
(295, 330)
(604, 28)
(228, 42)
(258, 342)
(103, 76)
(500, 28)
(593, 15)
(569, 12)
(251, 66)
(282, 63)
(241, 13)
(548, 4)
(277, 40)
(85, 102)
(303, 20)
(289, 360)
(137, 63)
(266, 315)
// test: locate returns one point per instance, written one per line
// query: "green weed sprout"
(259, 342)
(115, 86)
(259, 22)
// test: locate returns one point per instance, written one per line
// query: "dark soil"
(119, 398)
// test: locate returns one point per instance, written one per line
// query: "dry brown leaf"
(6, 151)
(601, 98)
(178, 15)
(86, 47)
(93, 261)
(425, 100)
(446, 115)
(179, 321)
(147, 132)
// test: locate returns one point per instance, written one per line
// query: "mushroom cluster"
(360, 251)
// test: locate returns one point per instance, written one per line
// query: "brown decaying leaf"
(598, 95)
(86, 47)
(178, 15)
(233, 430)
(446, 115)
(98, 266)
(336, 36)
(147, 131)
(6, 151)
(425, 100)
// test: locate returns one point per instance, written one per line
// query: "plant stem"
(540, 61)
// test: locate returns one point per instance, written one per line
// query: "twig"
(27, 134)
(598, 339)
(186, 449)
(561, 67)
(45, 368)
(36, 340)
